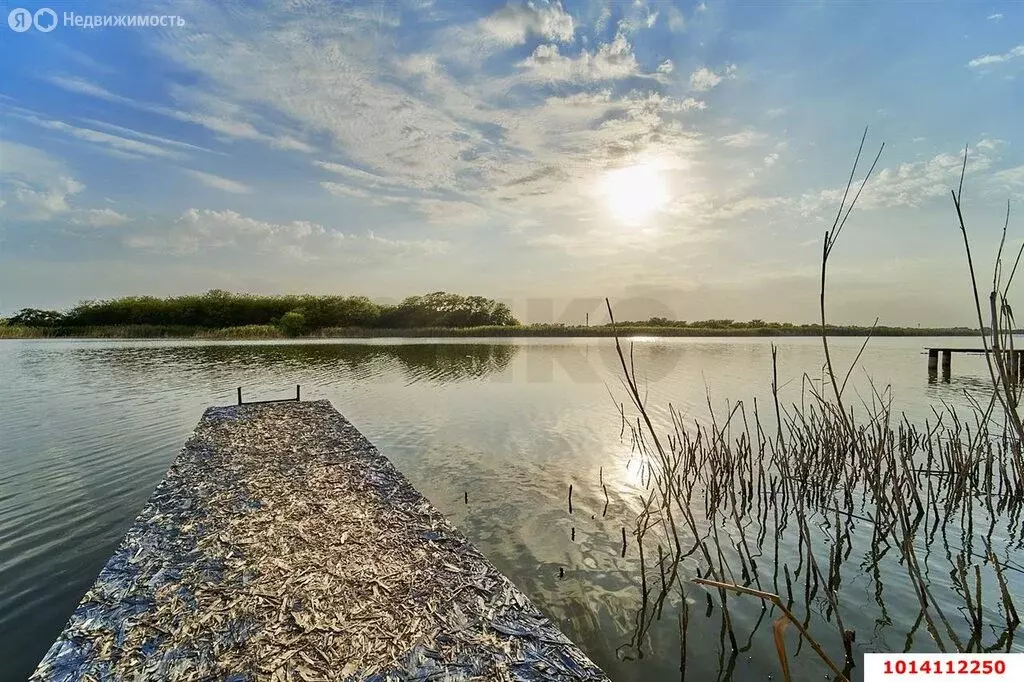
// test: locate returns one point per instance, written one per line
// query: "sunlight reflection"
(636, 470)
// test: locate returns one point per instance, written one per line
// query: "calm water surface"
(88, 428)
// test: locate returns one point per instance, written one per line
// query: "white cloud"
(435, 211)
(423, 246)
(910, 183)
(324, 78)
(514, 23)
(611, 61)
(995, 17)
(451, 213)
(219, 117)
(42, 202)
(906, 185)
(83, 59)
(126, 143)
(156, 139)
(40, 188)
(341, 190)
(704, 78)
(1010, 177)
(84, 87)
(574, 138)
(228, 119)
(35, 185)
(98, 217)
(119, 146)
(676, 20)
(743, 139)
(218, 182)
(989, 59)
(731, 210)
(370, 187)
(509, 26)
(370, 180)
(206, 231)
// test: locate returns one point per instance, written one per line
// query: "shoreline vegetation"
(255, 332)
(220, 315)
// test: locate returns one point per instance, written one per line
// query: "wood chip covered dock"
(281, 545)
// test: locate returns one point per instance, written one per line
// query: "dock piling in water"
(282, 545)
(1013, 359)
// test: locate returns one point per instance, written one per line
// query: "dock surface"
(281, 545)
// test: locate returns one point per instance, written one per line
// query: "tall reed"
(779, 505)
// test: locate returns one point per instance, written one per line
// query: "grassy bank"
(272, 332)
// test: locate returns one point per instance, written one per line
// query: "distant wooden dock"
(1014, 358)
(281, 545)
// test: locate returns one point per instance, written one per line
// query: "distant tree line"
(297, 315)
(762, 325)
(294, 315)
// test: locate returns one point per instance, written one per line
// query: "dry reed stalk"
(775, 599)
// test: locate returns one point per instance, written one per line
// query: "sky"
(682, 158)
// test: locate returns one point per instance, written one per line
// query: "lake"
(88, 428)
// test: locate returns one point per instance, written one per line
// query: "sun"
(634, 193)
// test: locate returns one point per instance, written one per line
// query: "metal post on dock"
(947, 361)
(297, 387)
(933, 362)
(239, 395)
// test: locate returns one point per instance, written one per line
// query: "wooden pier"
(1014, 360)
(281, 545)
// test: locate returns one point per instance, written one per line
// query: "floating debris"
(282, 546)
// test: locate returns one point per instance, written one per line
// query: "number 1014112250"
(938, 667)
(892, 667)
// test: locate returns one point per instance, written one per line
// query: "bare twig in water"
(774, 598)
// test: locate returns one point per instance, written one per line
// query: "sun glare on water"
(635, 193)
